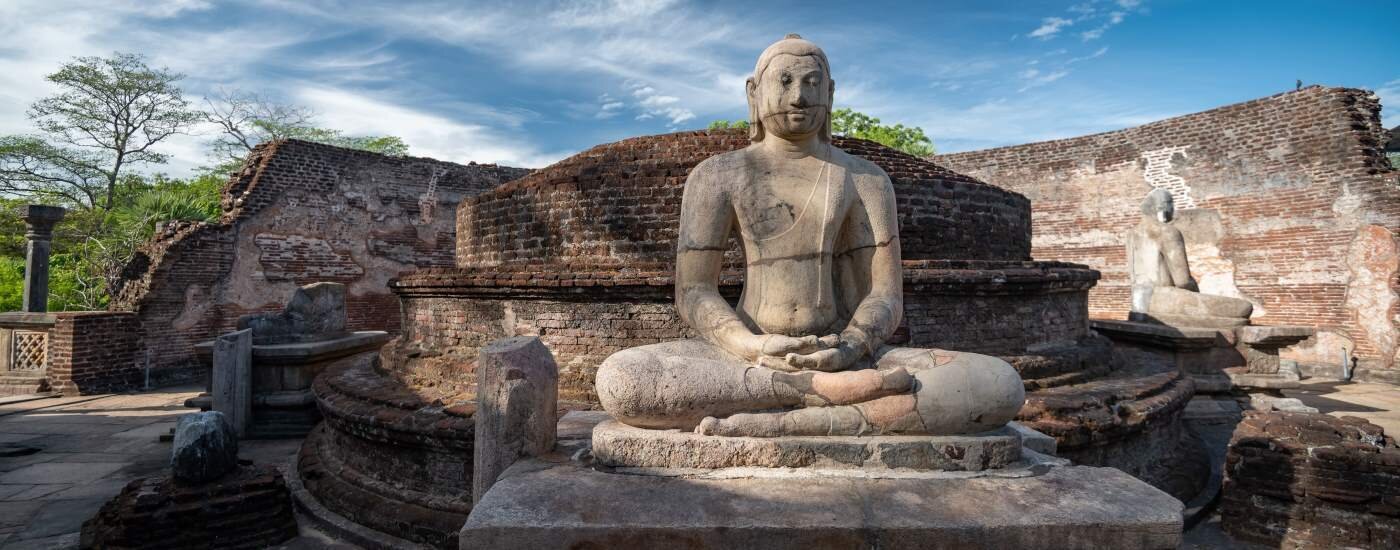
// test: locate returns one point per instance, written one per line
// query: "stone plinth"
(283, 402)
(1218, 359)
(542, 503)
(388, 460)
(619, 445)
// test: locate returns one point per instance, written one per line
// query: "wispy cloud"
(1049, 27)
(1390, 103)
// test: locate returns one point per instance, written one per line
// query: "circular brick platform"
(619, 445)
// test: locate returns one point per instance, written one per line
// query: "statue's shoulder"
(720, 169)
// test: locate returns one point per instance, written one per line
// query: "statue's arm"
(1174, 251)
(878, 315)
(707, 218)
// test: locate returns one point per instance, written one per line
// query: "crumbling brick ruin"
(298, 213)
(1297, 211)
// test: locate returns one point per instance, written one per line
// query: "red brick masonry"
(1298, 480)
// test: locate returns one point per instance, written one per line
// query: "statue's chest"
(773, 207)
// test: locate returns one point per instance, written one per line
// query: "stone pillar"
(232, 377)
(517, 399)
(40, 220)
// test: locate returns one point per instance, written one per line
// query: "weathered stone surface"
(540, 505)
(1273, 336)
(297, 212)
(315, 312)
(247, 509)
(517, 397)
(617, 444)
(205, 447)
(1300, 480)
(1034, 440)
(39, 221)
(232, 378)
(385, 447)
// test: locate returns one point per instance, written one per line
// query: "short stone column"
(232, 379)
(39, 220)
(517, 400)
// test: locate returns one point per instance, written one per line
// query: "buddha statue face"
(1159, 205)
(790, 92)
(792, 96)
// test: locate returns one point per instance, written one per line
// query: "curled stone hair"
(1156, 201)
(791, 44)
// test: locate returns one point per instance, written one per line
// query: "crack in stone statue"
(1163, 289)
(804, 352)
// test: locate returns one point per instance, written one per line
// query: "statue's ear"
(755, 123)
(830, 105)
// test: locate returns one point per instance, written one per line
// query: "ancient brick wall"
(619, 204)
(298, 213)
(95, 352)
(586, 314)
(1295, 206)
(1298, 480)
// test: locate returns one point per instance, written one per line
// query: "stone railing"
(24, 341)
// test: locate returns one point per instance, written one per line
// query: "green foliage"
(107, 116)
(11, 283)
(726, 124)
(911, 140)
(848, 123)
(246, 119)
(1394, 160)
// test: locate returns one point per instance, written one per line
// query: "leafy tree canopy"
(849, 123)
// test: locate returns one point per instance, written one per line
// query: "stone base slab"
(619, 445)
(554, 503)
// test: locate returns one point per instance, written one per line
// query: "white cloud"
(426, 134)
(1390, 103)
(1049, 27)
(1035, 78)
(1097, 54)
(1129, 4)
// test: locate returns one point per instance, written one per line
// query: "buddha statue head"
(790, 91)
(1159, 205)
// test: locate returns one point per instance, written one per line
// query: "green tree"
(909, 139)
(246, 119)
(848, 123)
(106, 119)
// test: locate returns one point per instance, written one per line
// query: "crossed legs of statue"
(693, 384)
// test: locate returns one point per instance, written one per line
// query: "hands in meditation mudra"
(804, 353)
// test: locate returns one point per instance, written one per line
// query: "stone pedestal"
(282, 400)
(555, 503)
(1031, 501)
(1218, 359)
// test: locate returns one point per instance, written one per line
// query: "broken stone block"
(517, 393)
(205, 447)
(315, 312)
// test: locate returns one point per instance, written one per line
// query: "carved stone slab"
(619, 445)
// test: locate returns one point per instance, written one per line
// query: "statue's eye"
(787, 80)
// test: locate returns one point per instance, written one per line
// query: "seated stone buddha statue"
(804, 352)
(1163, 289)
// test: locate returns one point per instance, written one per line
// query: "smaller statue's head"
(1159, 205)
(790, 91)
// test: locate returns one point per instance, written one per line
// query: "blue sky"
(527, 83)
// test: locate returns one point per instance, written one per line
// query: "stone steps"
(23, 383)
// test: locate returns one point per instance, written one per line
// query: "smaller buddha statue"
(1163, 289)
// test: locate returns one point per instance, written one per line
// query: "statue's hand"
(828, 360)
(771, 350)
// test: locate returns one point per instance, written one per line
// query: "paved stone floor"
(61, 458)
